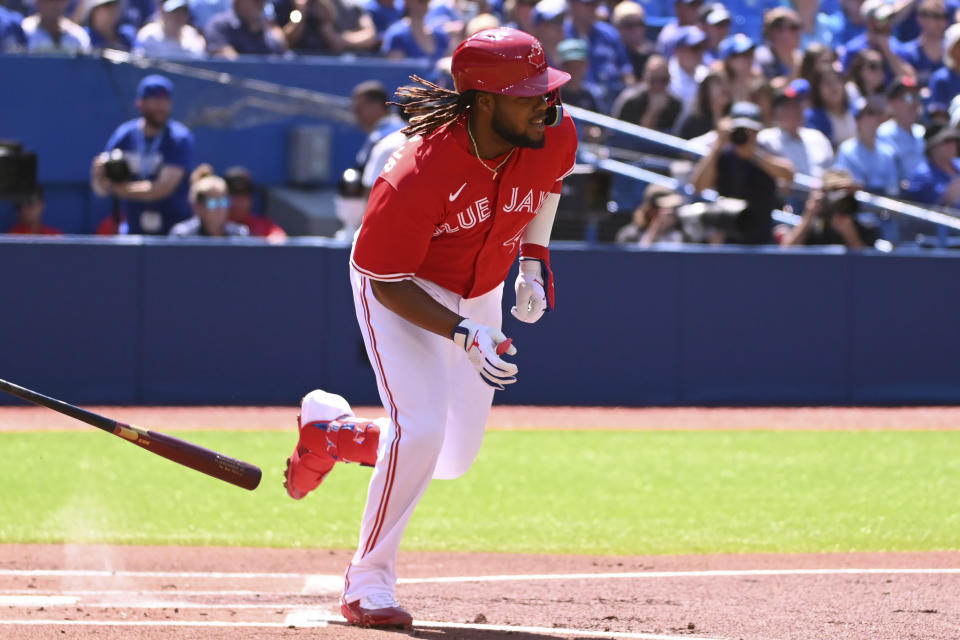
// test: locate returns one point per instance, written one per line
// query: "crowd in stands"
(765, 88)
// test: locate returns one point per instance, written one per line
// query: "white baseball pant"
(438, 407)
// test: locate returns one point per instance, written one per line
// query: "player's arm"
(406, 299)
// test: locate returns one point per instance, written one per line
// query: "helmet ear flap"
(554, 111)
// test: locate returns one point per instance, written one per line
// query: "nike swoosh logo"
(453, 196)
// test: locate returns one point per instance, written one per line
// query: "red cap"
(506, 61)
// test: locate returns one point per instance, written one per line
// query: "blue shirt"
(383, 16)
(226, 29)
(944, 85)
(12, 37)
(174, 146)
(384, 127)
(909, 149)
(928, 183)
(126, 36)
(609, 61)
(874, 168)
(912, 52)
(399, 37)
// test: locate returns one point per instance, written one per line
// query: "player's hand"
(531, 297)
(484, 346)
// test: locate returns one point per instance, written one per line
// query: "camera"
(116, 167)
(739, 136)
(18, 170)
(697, 218)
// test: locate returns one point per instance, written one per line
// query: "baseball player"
(477, 183)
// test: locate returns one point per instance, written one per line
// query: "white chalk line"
(326, 579)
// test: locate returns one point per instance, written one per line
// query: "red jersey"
(437, 214)
(262, 227)
(23, 229)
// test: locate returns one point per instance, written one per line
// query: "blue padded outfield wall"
(155, 322)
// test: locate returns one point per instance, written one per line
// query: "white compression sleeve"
(540, 228)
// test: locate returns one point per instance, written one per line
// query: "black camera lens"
(739, 136)
(116, 167)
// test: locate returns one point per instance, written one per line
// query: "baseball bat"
(236, 472)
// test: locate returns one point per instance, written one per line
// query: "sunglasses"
(933, 16)
(658, 80)
(216, 203)
(791, 26)
(633, 25)
(873, 66)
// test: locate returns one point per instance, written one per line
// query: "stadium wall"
(157, 322)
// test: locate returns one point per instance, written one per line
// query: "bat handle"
(503, 346)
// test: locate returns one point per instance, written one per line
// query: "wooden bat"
(237, 472)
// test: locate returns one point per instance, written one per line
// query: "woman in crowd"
(210, 202)
(866, 76)
(712, 103)
(737, 54)
(170, 35)
(830, 107)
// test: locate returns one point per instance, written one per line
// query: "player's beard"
(157, 122)
(516, 139)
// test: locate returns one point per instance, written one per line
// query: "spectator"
(850, 22)
(715, 22)
(30, 207)
(326, 26)
(779, 58)
(158, 154)
(649, 103)
(738, 167)
(655, 220)
(412, 37)
(630, 20)
(240, 189)
(830, 107)
(737, 56)
(816, 56)
(202, 11)
(208, 197)
(829, 216)
(549, 17)
(816, 26)
(609, 68)
(685, 14)
(901, 132)
(687, 70)
(12, 37)
(373, 116)
(925, 53)
(580, 92)
(808, 150)
(945, 82)
(170, 35)
(869, 162)
(384, 13)
(936, 180)
(878, 17)
(49, 30)
(865, 77)
(244, 30)
(712, 103)
(104, 28)
(762, 95)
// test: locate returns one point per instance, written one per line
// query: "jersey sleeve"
(395, 234)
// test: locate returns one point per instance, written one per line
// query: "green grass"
(536, 491)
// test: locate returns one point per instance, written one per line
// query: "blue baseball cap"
(798, 89)
(737, 44)
(154, 85)
(690, 36)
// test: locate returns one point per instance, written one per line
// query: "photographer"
(738, 167)
(145, 162)
(830, 216)
(655, 220)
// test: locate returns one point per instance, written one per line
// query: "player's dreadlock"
(430, 106)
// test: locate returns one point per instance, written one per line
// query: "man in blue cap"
(145, 163)
(807, 149)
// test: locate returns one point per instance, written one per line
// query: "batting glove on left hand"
(484, 346)
(531, 296)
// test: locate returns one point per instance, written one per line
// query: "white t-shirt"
(810, 151)
(73, 38)
(378, 157)
(153, 42)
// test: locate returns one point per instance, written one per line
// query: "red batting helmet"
(506, 61)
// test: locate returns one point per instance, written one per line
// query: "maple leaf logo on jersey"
(536, 57)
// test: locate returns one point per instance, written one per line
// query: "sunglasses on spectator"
(933, 15)
(873, 66)
(633, 24)
(216, 203)
(658, 80)
(792, 26)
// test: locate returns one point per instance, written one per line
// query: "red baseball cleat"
(377, 611)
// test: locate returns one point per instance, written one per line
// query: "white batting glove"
(531, 297)
(484, 346)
